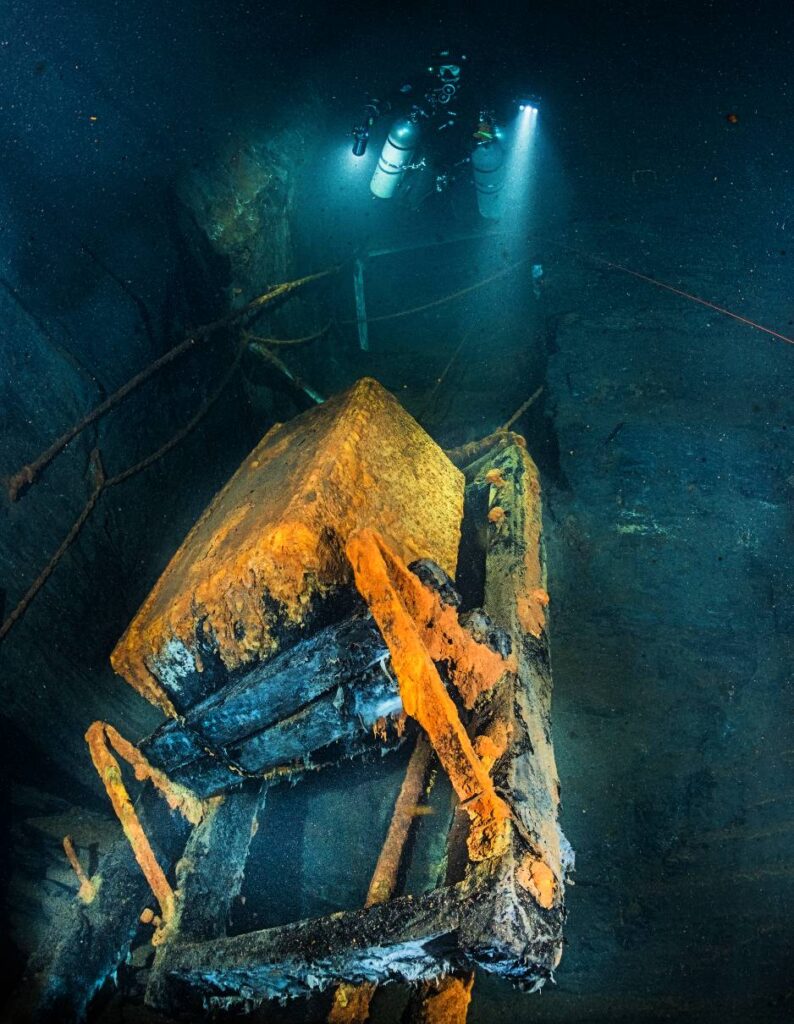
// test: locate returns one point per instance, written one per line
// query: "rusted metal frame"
(101, 739)
(387, 586)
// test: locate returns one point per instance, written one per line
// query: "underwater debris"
(496, 515)
(88, 886)
(268, 553)
(507, 896)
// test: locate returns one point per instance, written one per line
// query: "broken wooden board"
(263, 564)
(506, 915)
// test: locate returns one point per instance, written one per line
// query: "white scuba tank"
(489, 169)
(396, 155)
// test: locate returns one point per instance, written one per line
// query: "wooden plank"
(516, 599)
(269, 693)
(352, 689)
(401, 938)
(210, 872)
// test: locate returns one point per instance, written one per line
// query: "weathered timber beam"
(342, 719)
(210, 872)
(516, 599)
(401, 938)
(511, 722)
(406, 939)
(330, 688)
(315, 666)
(512, 728)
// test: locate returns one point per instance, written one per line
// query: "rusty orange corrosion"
(351, 1003)
(447, 1002)
(101, 737)
(495, 478)
(403, 610)
(88, 888)
(474, 667)
(272, 541)
(538, 879)
(496, 515)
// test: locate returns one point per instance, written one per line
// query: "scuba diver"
(427, 121)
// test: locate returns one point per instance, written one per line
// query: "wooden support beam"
(210, 872)
(401, 938)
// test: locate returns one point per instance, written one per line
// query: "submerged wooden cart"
(310, 614)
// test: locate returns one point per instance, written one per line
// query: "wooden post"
(361, 305)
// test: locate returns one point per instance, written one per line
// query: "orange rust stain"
(496, 515)
(534, 875)
(530, 609)
(100, 738)
(397, 601)
(474, 667)
(279, 527)
(493, 743)
(447, 1002)
(110, 773)
(88, 887)
(351, 1004)
(486, 750)
(495, 478)
(179, 798)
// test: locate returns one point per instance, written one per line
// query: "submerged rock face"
(243, 199)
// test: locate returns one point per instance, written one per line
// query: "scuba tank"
(395, 157)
